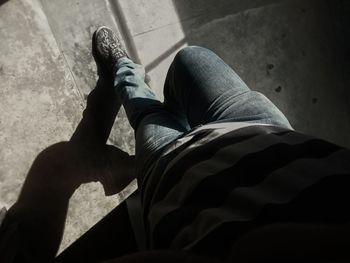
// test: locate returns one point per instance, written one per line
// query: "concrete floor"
(292, 51)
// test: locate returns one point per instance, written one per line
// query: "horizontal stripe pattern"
(245, 203)
(312, 207)
(198, 154)
(156, 177)
(249, 171)
(214, 179)
(222, 160)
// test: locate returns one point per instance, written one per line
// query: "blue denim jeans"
(200, 88)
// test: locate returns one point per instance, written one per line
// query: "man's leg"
(207, 90)
(154, 126)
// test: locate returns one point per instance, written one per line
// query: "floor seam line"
(63, 55)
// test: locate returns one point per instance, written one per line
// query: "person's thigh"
(202, 87)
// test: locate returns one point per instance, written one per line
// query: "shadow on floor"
(3, 2)
(34, 224)
(210, 10)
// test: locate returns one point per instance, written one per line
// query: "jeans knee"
(189, 53)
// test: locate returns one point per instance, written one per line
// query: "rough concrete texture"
(39, 104)
(72, 28)
(289, 50)
(46, 72)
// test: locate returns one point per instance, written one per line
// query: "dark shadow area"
(197, 13)
(340, 11)
(111, 237)
(34, 225)
(207, 11)
(3, 2)
(293, 51)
